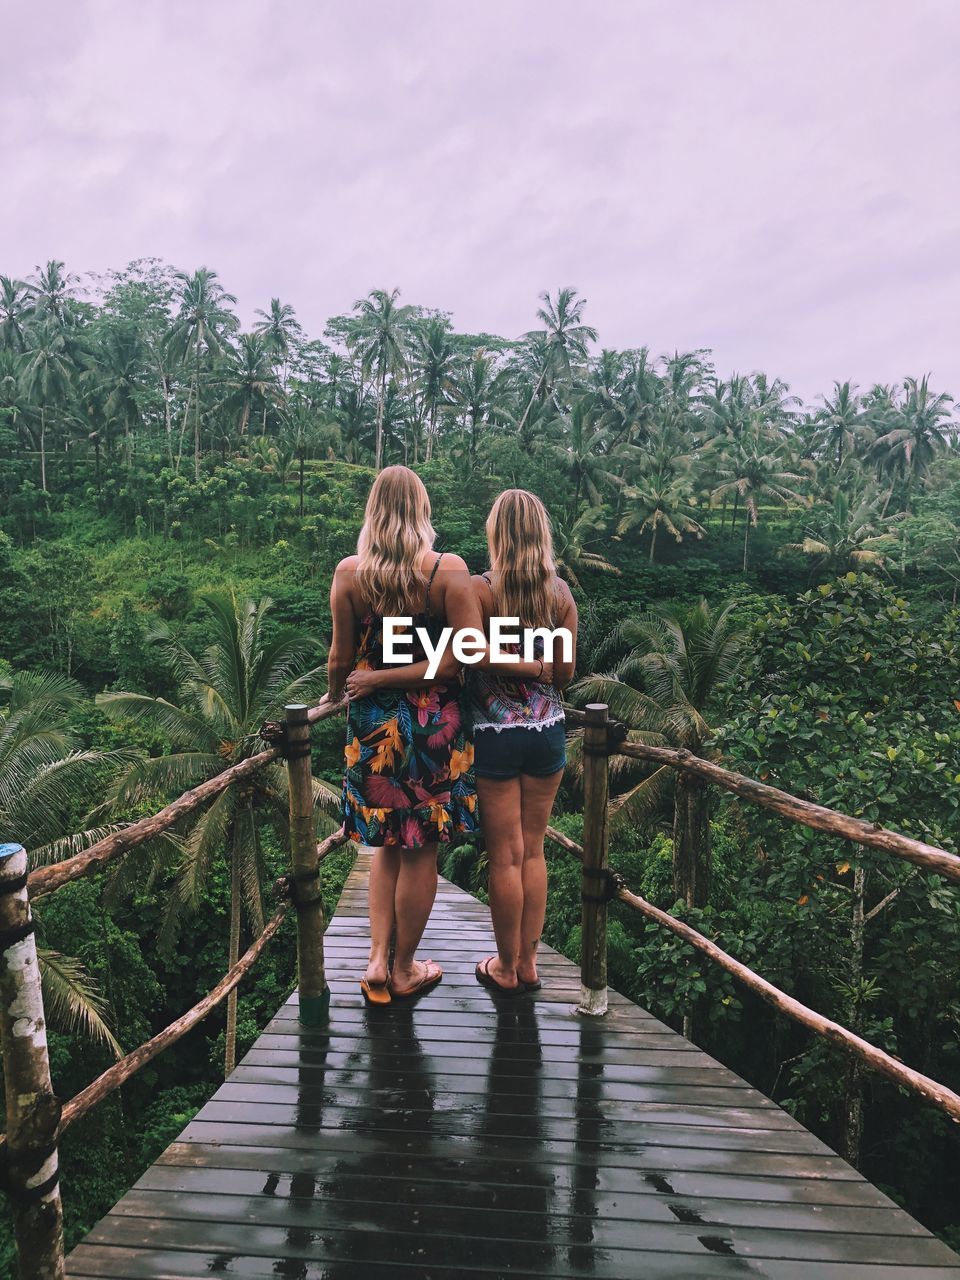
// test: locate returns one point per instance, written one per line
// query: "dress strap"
(433, 574)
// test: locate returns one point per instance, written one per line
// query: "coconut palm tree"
(841, 420)
(852, 534)
(249, 381)
(586, 452)
(52, 293)
(477, 395)
(660, 501)
(572, 540)
(564, 340)
(435, 364)
(47, 374)
(380, 336)
(16, 308)
(246, 675)
(116, 373)
(43, 777)
(921, 432)
(630, 408)
(755, 472)
(675, 663)
(281, 331)
(201, 329)
(306, 435)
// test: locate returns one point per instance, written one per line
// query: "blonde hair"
(396, 532)
(521, 557)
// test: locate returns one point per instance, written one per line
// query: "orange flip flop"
(375, 992)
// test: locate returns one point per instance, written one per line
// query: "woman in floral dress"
(408, 784)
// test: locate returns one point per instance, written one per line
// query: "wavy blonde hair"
(521, 557)
(396, 532)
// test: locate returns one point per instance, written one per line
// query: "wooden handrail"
(877, 1059)
(128, 1066)
(44, 880)
(121, 1071)
(804, 812)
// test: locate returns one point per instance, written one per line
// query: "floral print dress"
(409, 767)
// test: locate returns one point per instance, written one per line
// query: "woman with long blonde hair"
(408, 782)
(519, 733)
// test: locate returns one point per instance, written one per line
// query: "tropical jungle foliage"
(769, 583)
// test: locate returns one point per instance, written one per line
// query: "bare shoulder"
(344, 575)
(567, 604)
(564, 592)
(451, 562)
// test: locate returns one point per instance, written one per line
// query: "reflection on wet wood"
(468, 1134)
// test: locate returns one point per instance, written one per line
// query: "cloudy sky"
(778, 181)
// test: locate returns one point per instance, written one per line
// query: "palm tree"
(47, 373)
(246, 675)
(754, 473)
(629, 408)
(564, 341)
(43, 776)
(200, 330)
(676, 663)
(853, 533)
(305, 435)
(477, 393)
(16, 308)
(660, 501)
(249, 381)
(436, 362)
(585, 450)
(380, 335)
(922, 432)
(117, 376)
(841, 420)
(572, 540)
(51, 291)
(281, 330)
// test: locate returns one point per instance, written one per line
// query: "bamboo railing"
(35, 1118)
(600, 886)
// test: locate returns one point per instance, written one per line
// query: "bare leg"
(416, 891)
(536, 801)
(382, 893)
(500, 817)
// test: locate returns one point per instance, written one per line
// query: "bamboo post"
(33, 1113)
(593, 960)
(314, 994)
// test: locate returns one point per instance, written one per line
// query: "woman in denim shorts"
(519, 734)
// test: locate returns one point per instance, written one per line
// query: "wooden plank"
(471, 1134)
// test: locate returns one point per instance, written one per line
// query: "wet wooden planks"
(472, 1134)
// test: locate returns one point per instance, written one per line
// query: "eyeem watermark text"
(469, 643)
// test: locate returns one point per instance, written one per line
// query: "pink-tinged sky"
(775, 179)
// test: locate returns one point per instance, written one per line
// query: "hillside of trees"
(767, 582)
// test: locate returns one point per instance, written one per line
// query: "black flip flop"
(426, 983)
(486, 979)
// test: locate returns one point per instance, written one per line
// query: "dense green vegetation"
(172, 489)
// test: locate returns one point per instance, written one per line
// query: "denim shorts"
(506, 753)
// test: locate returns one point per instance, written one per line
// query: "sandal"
(486, 979)
(530, 986)
(426, 983)
(375, 992)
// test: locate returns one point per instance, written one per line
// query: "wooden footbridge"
(471, 1133)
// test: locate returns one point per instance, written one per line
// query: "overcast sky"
(775, 179)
